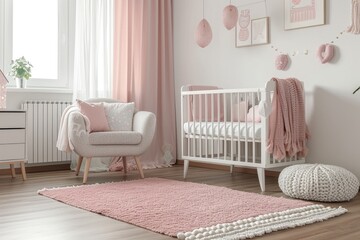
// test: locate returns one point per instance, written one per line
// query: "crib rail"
(223, 126)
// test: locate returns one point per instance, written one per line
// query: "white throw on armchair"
(110, 143)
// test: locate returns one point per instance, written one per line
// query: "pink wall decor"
(325, 53)
(303, 13)
(3, 82)
(281, 62)
(243, 30)
(203, 33)
(230, 16)
(355, 21)
(252, 25)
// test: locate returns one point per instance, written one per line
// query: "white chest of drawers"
(13, 139)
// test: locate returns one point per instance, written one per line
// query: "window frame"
(66, 36)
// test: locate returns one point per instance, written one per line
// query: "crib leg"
(231, 168)
(186, 167)
(261, 176)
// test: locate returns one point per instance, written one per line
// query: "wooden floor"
(26, 215)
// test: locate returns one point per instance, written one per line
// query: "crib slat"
(246, 132)
(218, 126)
(224, 122)
(232, 128)
(212, 125)
(200, 124)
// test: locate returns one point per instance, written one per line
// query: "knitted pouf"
(318, 182)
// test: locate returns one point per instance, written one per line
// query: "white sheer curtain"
(93, 58)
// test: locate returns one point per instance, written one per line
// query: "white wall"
(15, 97)
(333, 113)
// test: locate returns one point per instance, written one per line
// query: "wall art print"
(260, 31)
(249, 17)
(304, 13)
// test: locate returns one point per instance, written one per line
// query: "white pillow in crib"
(239, 111)
(253, 114)
(120, 115)
(265, 108)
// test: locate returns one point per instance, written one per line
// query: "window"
(29, 37)
(40, 31)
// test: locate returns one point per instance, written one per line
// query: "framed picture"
(304, 13)
(260, 31)
(243, 29)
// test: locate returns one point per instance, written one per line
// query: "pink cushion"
(239, 111)
(195, 105)
(253, 114)
(95, 112)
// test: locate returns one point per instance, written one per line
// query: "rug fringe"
(267, 223)
(88, 185)
(66, 187)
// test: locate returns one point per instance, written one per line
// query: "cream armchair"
(111, 143)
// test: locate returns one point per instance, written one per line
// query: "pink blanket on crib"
(288, 131)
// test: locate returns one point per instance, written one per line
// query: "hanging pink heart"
(203, 33)
(281, 62)
(325, 53)
(230, 16)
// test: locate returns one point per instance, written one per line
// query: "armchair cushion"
(115, 137)
(120, 115)
(96, 115)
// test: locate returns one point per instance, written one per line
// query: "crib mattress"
(224, 129)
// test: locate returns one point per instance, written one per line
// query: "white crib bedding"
(225, 129)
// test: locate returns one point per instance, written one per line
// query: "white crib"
(213, 129)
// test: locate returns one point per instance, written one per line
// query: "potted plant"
(21, 71)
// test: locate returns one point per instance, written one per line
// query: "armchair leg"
(12, 168)
(78, 166)
(139, 166)
(86, 170)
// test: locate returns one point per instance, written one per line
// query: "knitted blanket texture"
(288, 132)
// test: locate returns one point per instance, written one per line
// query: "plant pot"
(20, 83)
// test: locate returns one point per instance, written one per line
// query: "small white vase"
(20, 83)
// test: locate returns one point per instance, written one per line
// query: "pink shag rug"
(191, 210)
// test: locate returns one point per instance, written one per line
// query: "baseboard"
(226, 168)
(62, 167)
(38, 168)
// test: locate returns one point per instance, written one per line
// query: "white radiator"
(43, 120)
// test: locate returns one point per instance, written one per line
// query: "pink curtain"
(143, 69)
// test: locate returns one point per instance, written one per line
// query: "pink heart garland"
(325, 53)
(281, 62)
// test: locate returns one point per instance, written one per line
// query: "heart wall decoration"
(281, 62)
(325, 53)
